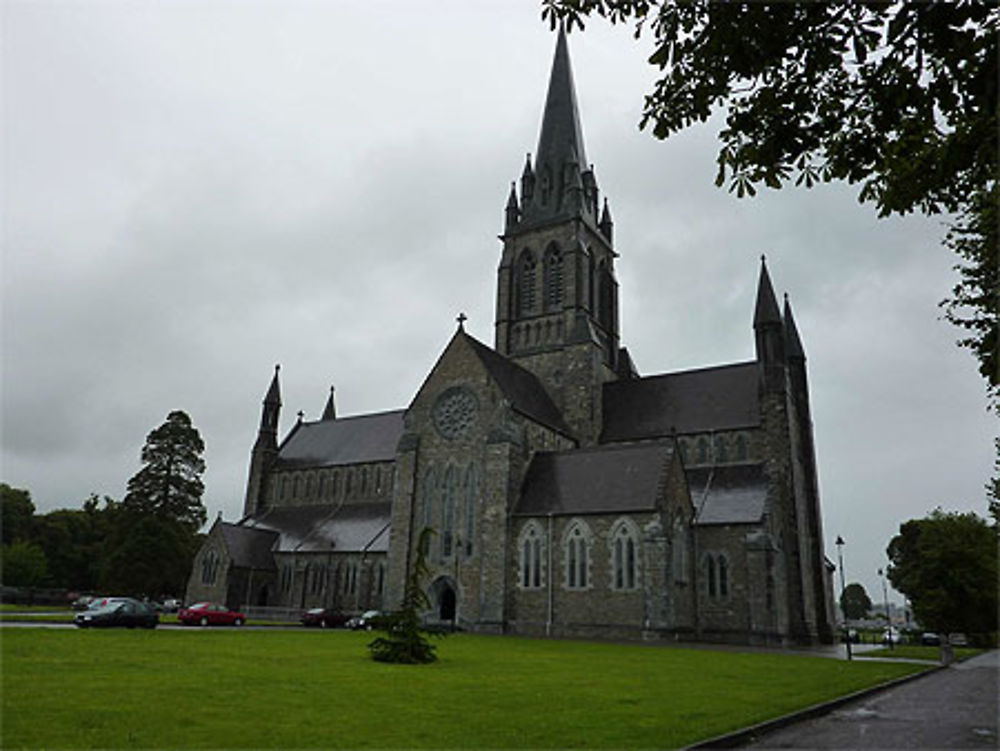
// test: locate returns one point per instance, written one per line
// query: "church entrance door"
(447, 609)
(444, 599)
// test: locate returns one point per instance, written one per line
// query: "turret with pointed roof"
(769, 333)
(265, 448)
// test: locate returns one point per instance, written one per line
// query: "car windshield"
(315, 611)
(199, 606)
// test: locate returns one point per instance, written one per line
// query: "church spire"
(330, 410)
(560, 158)
(766, 310)
(270, 411)
(769, 333)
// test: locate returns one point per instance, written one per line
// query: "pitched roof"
(345, 440)
(728, 494)
(353, 528)
(690, 401)
(605, 479)
(521, 387)
(249, 548)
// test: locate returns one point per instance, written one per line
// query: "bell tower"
(557, 296)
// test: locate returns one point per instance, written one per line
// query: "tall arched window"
(531, 548)
(702, 451)
(448, 498)
(526, 283)
(723, 576)
(605, 297)
(624, 556)
(577, 556)
(471, 495)
(721, 450)
(430, 496)
(553, 278)
(710, 575)
(209, 567)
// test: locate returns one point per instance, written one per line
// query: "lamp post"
(840, 560)
(885, 599)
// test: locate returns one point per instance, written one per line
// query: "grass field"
(297, 689)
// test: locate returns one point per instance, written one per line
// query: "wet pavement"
(956, 707)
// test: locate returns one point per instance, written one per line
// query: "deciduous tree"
(900, 98)
(946, 565)
(854, 601)
(16, 513)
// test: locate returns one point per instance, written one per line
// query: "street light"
(840, 559)
(885, 598)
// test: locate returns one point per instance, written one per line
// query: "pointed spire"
(606, 225)
(274, 392)
(527, 181)
(561, 137)
(766, 311)
(512, 214)
(793, 344)
(330, 410)
(269, 414)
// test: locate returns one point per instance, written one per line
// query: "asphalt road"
(952, 708)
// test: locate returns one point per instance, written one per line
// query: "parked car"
(101, 602)
(958, 640)
(929, 639)
(364, 621)
(891, 636)
(323, 617)
(171, 605)
(210, 614)
(120, 611)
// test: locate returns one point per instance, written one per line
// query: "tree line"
(142, 545)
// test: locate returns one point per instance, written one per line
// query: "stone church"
(568, 494)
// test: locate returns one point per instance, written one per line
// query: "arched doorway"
(444, 599)
(447, 605)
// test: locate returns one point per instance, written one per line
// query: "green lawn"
(319, 689)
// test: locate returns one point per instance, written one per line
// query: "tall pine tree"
(169, 485)
(153, 537)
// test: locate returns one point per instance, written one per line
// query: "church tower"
(557, 296)
(265, 449)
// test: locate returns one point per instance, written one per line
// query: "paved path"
(952, 708)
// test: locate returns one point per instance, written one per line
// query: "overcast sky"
(195, 191)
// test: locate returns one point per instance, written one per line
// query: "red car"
(210, 614)
(323, 617)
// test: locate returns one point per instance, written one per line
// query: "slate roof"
(347, 440)
(690, 401)
(606, 479)
(733, 494)
(521, 387)
(353, 528)
(249, 548)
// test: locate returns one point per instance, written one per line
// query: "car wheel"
(203, 621)
(238, 622)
